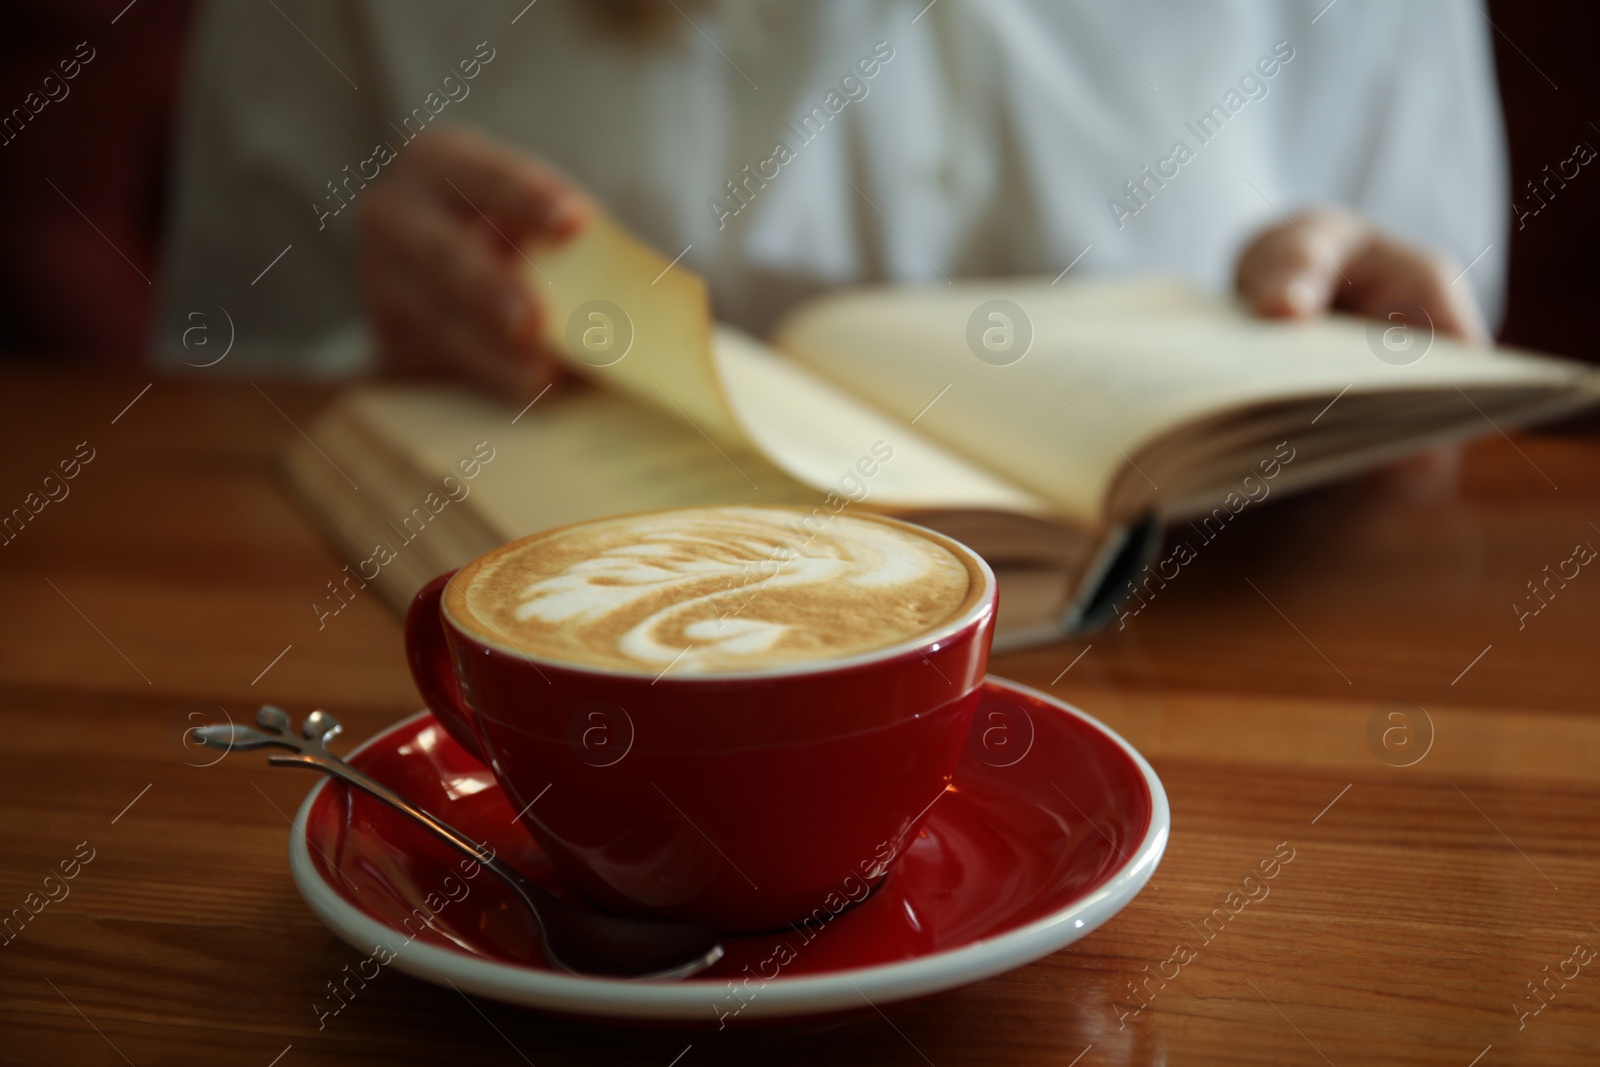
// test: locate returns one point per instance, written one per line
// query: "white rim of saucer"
(779, 997)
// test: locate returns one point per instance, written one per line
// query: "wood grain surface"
(176, 576)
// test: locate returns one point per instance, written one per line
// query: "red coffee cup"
(739, 801)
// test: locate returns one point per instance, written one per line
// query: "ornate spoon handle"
(571, 939)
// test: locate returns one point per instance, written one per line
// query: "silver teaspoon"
(572, 940)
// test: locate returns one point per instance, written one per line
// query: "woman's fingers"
(519, 197)
(1294, 269)
(439, 296)
(421, 332)
(449, 259)
(441, 261)
(1391, 278)
(1331, 258)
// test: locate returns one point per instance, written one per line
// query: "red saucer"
(1051, 825)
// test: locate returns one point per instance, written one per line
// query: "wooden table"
(176, 577)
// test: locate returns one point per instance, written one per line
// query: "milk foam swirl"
(707, 590)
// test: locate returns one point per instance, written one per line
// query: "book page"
(827, 438)
(1063, 395)
(628, 318)
(631, 320)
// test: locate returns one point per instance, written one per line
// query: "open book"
(1053, 428)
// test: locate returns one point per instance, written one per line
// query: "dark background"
(64, 290)
(1549, 108)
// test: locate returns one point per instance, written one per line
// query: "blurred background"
(74, 288)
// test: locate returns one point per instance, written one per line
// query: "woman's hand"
(1331, 258)
(442, 276)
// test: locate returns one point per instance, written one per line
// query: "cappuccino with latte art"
(785, 689)
(715, 590)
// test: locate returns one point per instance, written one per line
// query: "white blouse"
(785, 148)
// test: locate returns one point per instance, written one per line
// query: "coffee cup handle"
(429, 658)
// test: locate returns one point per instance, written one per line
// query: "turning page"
(628, 318)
